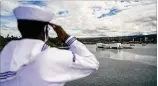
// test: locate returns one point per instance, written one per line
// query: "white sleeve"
(68, 65)
(82, 58)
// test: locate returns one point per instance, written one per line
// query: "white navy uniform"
(30, 62)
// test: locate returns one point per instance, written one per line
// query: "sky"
(89, 18)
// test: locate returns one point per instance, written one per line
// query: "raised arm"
(75, 63)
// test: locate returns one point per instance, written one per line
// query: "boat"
(102, 45)
(112, 46)
(144, 44)
(116, 46)
(132, 45)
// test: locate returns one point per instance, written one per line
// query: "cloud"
(5, 30)
(39, 3)
(80, 18)
(7, 7)
(122, 23)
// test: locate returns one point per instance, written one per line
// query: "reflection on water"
(143, 54)
(125, 67)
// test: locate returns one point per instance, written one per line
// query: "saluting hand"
(60, 32)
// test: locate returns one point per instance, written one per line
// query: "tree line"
(53, 42)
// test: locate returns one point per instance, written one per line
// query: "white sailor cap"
(33, 13)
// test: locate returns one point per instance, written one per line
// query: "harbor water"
(124, 67)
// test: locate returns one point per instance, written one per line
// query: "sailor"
(30, 62)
